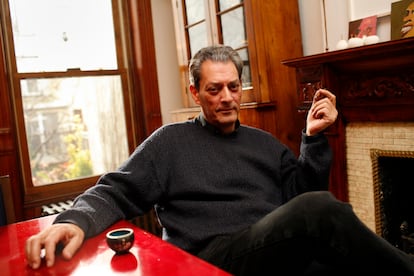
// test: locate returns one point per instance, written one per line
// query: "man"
(231, 194)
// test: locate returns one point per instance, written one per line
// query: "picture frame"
(401, 12)
(363, 27)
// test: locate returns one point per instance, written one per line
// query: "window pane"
(198, 37)
(74, 127)
(232, 24)
(226, 4)
(195, 11)
(246, 77)
(52, 35)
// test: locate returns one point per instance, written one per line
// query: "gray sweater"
(202, 183)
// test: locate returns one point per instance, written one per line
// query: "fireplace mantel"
(373, 83)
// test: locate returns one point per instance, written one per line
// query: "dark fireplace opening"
(394, 197)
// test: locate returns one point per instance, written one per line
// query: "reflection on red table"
(150, 256)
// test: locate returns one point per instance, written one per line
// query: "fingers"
(43, 245)
(323, 103)
(72, 246)
(323, 93)
(50, 249)
(323, 110)
(33, 251)
(37, 248)
(322, 113)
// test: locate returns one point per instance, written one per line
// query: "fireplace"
(374, 86)
(361, 138)
(394, 196)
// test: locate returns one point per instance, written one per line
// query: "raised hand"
(322, 113)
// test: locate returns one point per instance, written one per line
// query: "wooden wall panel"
(277, 36)
(8, 151)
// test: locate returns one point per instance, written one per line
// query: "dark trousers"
(312, 234)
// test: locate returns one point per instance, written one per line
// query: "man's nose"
(226, 94)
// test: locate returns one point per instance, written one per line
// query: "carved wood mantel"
(373, 83)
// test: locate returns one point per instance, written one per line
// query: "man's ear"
(194, 94)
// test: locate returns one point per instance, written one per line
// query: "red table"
(150, 256)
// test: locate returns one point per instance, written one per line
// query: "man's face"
(219, 94)
(407, 29)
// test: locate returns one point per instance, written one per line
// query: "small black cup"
(120, 240)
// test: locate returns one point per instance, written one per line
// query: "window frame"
(252, 94)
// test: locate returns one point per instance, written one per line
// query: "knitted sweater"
(202, 183)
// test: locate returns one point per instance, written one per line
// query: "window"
(203, 23)
(71, 89)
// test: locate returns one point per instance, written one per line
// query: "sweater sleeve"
(315, 161)
(125, 193)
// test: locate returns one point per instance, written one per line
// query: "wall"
(167, 61)
(363, 8)
(312, 13)
(338, 15)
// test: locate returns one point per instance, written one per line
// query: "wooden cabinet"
(272, 32)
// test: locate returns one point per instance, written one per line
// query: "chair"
(149, 222)
(7, 214)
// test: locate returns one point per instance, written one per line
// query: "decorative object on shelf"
(355, 42)
(361, 32)
(371, 39)
(342, 44)
(402, 19)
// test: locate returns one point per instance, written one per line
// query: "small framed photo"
(363, 27)
(402, 19)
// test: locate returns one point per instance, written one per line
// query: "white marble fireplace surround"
(360, 138)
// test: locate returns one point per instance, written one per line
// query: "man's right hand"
(69, 235)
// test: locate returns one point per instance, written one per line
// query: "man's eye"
(234, 87)
(212, 90)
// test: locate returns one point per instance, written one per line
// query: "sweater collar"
(201, 121)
